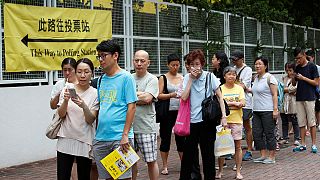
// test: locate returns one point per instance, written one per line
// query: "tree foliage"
(299, 12)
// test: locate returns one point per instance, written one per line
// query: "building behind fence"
(162, 28)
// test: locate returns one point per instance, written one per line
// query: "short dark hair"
(86, 61)
(69, 60)
(264, 60)
(297, 51)
(173, 57)
(310, 52)
(236, 54)
(110, 46)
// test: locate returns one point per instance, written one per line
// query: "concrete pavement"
(289, 165)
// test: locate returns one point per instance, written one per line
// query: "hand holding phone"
(73, 93)
(71, 90)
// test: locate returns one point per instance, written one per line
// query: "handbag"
(211, 111)
(182, 125)
(54, 127)
(162, 106)
(224, 144)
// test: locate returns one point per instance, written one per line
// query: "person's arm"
(223, 110)
(150, 93)
(237, 105)
(163, 96)
(246, 77)
(54, 101)
(274, 92)
(62, 110)
(89, 116)
(186, 93)
(313, 82)
(124, 143)
(292, 89)
(144, 98)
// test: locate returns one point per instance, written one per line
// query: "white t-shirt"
(262, 97)
(57, 88)
(145, 116)
(246, 78)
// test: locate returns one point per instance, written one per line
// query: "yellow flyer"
(117, 162)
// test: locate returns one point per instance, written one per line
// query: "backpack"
(238, 75)
(280, 92)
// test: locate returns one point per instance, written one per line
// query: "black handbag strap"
(205, 93)
(165, 89)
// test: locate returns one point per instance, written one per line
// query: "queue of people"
(120, 112)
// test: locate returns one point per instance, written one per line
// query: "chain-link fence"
(162, 28)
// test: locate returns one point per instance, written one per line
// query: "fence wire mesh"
(162, 28)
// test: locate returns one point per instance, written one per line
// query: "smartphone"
(73, 93)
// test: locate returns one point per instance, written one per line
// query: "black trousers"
(64, 166)
(166, 126)
(263, 126)
(203, 134)
(286, 118)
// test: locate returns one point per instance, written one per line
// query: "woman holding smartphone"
(78, 126)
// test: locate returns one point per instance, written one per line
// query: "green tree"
(299, 12)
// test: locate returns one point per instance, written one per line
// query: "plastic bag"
(182, 126)
(224, 143)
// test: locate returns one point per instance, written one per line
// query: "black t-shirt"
(306, 91)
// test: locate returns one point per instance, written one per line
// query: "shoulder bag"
(54, 127)
(211, 111)
(162, 106)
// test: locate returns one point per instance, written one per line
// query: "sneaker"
(300, 148)
(277, 147)
(259, 160)
(224, 166)
(247, 156)
(235, 167)
(297, 143)
(314, 149)
(269, 161)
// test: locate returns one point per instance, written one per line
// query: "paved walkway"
(289, 165)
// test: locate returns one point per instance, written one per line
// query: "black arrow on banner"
(26, 40)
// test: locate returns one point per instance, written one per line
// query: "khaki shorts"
(305, 113)
(236, 131)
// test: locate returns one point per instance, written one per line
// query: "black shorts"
(247, 114)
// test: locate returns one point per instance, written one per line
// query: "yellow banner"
(39, 38)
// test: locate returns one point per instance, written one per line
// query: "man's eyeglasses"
(298, 58)
(102, 56)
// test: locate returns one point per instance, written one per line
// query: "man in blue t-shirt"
(117, 100)
(307, 78)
